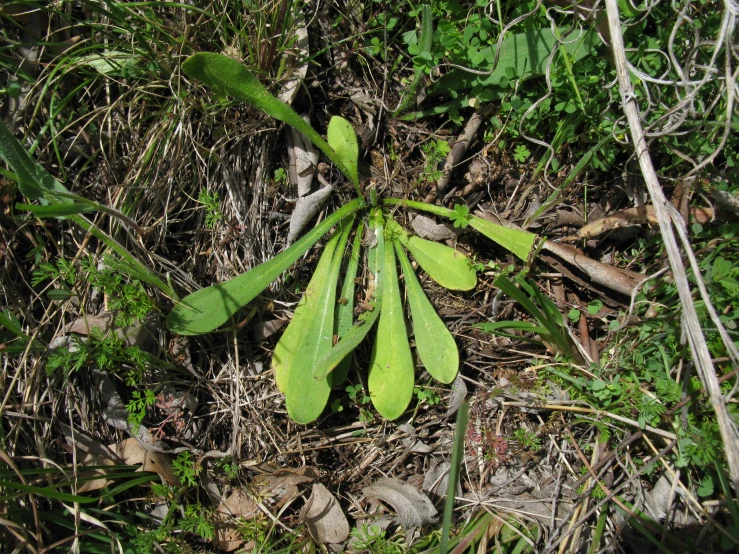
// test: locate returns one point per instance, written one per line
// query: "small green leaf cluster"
(527, 439)
(371, 538)
(198, 521)
(137, 406)
(107, 351)
(434, 153)
(213, 213)
(187, 469)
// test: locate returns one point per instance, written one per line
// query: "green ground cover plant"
(306, 354)
(124, 184)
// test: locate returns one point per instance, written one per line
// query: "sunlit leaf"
(210, 307)
(520, 243)
(445, 265)
(349, 341)
(391, 373)
(434, 343)
(226, 75)
(34, 181)
(345, 308)
(342, 138)
(309, 336)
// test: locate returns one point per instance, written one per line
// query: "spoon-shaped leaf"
(391, 374)
(309, 336)
(342, 138)
(349, 341)
(446, 266)
(519, 242)
(345, 309)
(227, 75)
(209, 308)
(434, 343)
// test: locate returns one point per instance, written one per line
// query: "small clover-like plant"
(461, 216)
(314, 352)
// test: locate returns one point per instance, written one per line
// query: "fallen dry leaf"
(239, 504)
(324, 517)
(132, 453)
(414, 508)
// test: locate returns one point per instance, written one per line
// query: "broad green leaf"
(33, 180)
(209, 308)
(446, 266)
(342, 138)
(226, 75)
(56, 210)
(526, 53)
(349, 341)
(520, 243)
(434, 343)
(309, 336)
(345, 308)
(391, 373)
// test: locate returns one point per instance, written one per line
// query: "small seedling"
(136, 407)
(213, 213)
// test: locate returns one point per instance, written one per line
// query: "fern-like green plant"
(313, 354)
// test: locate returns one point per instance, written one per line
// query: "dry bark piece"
(414, 508)
(427, 228)
(305, 208)
(323, 515)
(633, 216)
(457, 152)
(456, 396)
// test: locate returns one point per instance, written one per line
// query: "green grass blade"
(391, 374)
(210, 307)
(46, 492)
(350, 340)
(11, 324)
(56, 210)
(345, 309)
(460, 432)
(434, 343)
(343, 140)
(224, 74)
(425, 44)
(309, 336)
(33, 180)
(445, 265)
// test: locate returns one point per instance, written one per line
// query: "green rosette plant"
(314, 352)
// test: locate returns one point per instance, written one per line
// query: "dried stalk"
(696, 339)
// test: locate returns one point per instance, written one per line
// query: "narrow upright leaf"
(231, 77)
(446, 266)
(33, 180)
(342, 138)
(210, 307)
(345, 309)
(349, 341)
(309, 337)
(434, 343)
(391, 374)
